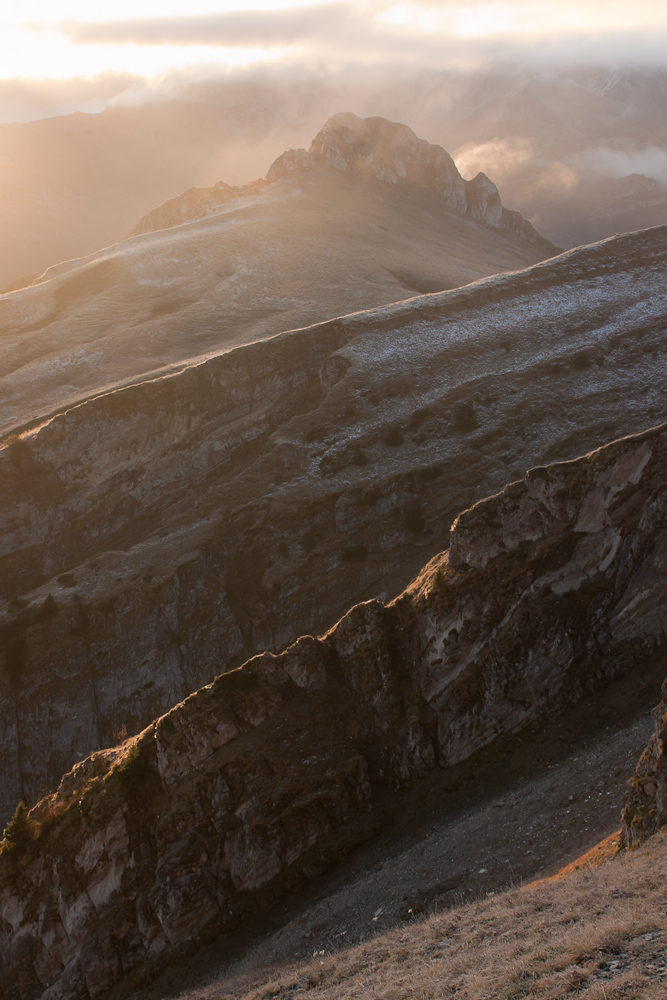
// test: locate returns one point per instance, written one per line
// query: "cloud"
(649, 160)
(27, 100)
(237, 28)
(498, 158)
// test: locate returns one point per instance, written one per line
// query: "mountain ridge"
(474, 648)
(372, 147)
(156, 535)
(283, 255)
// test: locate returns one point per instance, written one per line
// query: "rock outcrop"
(551, 588)
(367, 147)
(646, 800)
(154, 536)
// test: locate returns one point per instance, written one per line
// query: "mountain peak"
(373, 148)
(391, 152)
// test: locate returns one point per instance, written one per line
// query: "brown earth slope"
(157, 535)
(595, 932)
(549, 590)
(326, 236)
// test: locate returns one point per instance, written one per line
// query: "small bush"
(582, 359)
(394, 437)
(413, 517)
(354, 553)
(48, 610)
(430, 473)
(419, 416)
(360, 457)
(311, 540)
(283, 549)
(20, 830)
(119, 736)
(313, 434)
(465, 418)
(16, 658)
(370, 497)
(132, 770)
(18, 451)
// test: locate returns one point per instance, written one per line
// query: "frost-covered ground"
(291, 256)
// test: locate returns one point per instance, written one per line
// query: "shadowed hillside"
(549, 591)
(158, 535)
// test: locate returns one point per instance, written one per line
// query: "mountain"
(551, 139)
(157, 535)
(549, 590)
(371, 148)
(371, 216)
(583, 150)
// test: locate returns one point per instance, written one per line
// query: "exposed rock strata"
(646, 800)
(552, 587)
(152, 536)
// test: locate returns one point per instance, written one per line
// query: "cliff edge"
(550, 589)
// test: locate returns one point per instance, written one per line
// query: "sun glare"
(38, 38)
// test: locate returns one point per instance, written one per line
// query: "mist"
(73, 183)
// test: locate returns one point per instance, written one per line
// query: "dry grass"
(579, 934)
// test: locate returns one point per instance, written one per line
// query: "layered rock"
(551, 588)
(645, 808)
(155, 536)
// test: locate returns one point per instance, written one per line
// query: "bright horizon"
(42, 40)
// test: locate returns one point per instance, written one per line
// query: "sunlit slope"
(299, 251)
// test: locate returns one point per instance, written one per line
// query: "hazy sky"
(78, 53)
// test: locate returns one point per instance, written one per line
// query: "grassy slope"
(596, 931)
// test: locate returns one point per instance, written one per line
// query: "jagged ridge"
(551, 588)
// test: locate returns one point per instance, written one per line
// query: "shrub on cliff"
(132, 770)
(465, 418)
(18, 451)
(19, 831)
(394, 436)
(354, 553)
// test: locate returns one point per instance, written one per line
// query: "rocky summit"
(549, 590)
(371, 148)
(160, 534)
(237, 265)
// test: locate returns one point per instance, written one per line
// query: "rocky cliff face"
(550, 589)
(646, 801)
(371, 148)
(154, 536)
